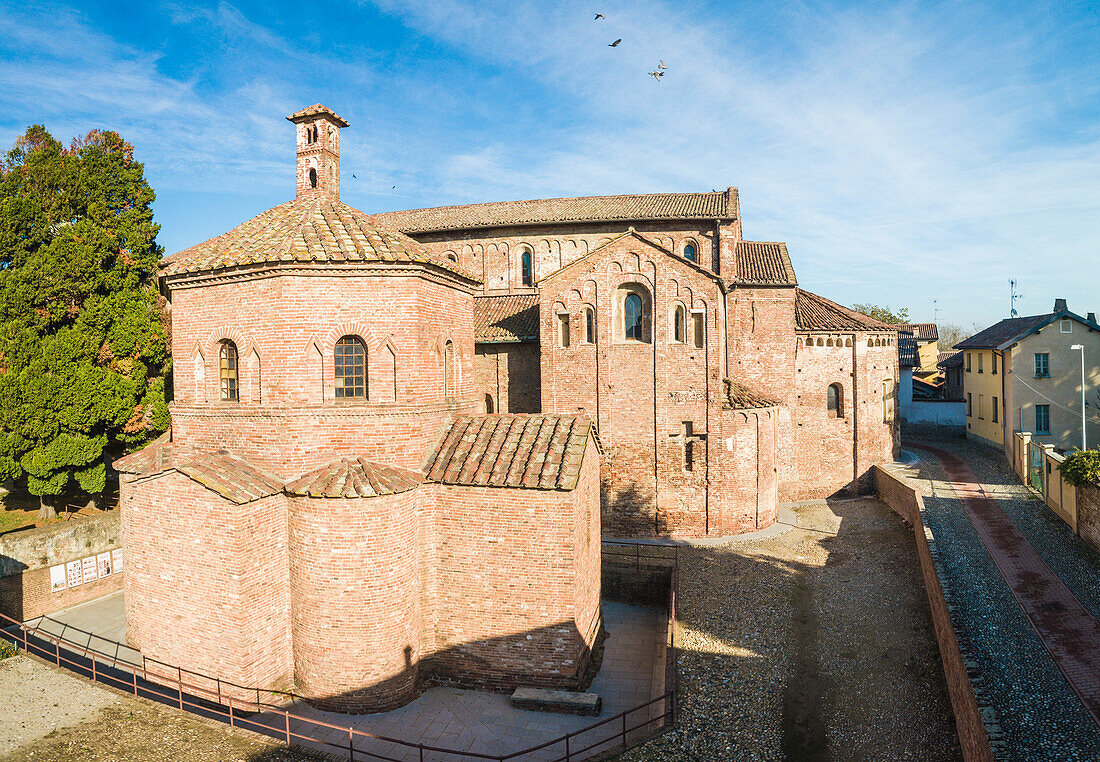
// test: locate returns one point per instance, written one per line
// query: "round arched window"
(689, 251)
(350, 367)
(227, 366)
(632, 317)
(312, 177)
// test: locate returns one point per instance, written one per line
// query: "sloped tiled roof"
(907, 352)
(652, 206)
(949, 359)
(315, 109)
(763, 263)
(532, 451)
(309, 229)
(1007, 329)
(233, 478)
(514, 317)
(816, 313)
(920, 331)
(354, 477)
(741, 397)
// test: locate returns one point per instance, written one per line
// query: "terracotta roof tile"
(907, 352)
(762, 263)
(514, 317)
(653, 206)
(233, 478)
(524, 451)
(741, 397)
(1005, 330)
(949, 359)
(816, 313)
(309, 229)
(315, 109)
(921, 331)
(354, 477)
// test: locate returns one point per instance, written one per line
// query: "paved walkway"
(1069, 633)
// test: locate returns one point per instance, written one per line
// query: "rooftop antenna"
(1015, 296)
(935, 312)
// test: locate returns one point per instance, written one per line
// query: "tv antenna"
(935, 312)
(1014, 297)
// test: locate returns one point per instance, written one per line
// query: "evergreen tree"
(83, 347)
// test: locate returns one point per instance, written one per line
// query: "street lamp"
(1084, 440)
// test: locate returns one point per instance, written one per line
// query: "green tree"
(83, 347)
(883, 314)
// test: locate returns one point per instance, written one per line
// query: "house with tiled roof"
(924, 338)
(1036, 374)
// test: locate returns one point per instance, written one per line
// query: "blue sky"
(906, 152)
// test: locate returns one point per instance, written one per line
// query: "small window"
(1065, 326)
(589, 325)
(967, 362)
(834, 403)
(887, 402)
(690, 252)
(678, 324)
(632, 317)
(349, 368)
(1042, 364)
(563, 329)
(981, 358)
(993, 370)
(969, 404)
(996, 411)
(312, 177)
(527, 275)
(697, 328)
(449, 369)
(489, 404)
(981, 407)
(1042, 419)
(227, 361)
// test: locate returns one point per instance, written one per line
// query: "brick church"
(395, 436)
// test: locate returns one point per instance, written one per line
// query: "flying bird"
(615, 44)
(657, 75)
(661, 65)
(598, 17)
(353, 175)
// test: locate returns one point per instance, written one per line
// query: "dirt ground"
(814, 644)
(49, 715)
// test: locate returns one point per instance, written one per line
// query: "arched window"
(632, 317)
(835, 402)
(690, 251)
(227, 362)
(590, 325)
(489, 403)
(350, 367)
(678, 324)
(527, 273)
(563, 329)
(449, 369)
(312, 177)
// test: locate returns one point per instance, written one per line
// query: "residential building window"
(981, 405)
(227, 361)
(697, 319)
(1065, 326)
(678, 324)
(967, 362)
(834, 402)
(590, 325)
(996, 411)
(981, 358)
(1042, 419)
(993, 370)
(1042, 364)
(690, 251)
(563, 329)
(969, 404)
(349, 367)
(527, 273)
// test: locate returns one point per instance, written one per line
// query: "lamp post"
(1084, 440)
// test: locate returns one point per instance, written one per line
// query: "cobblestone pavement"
(812, 644)
(1033, 710)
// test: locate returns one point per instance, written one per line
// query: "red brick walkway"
(1069, 632)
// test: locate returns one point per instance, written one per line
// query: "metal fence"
(265, 711)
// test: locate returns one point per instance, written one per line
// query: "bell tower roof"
(310, 113)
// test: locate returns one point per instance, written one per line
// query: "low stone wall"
(906, 502)
(1088, 515)
(51, 568)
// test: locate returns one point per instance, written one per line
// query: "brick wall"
(26, 558)
(1088, 514)
(905, 501)
(510, 374)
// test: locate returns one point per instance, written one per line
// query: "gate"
(1036, 471)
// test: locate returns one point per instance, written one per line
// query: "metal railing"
(244, 707)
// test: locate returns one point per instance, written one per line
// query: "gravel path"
(1033, 707)
(814, 644)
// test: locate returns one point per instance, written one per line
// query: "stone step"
(546, 700)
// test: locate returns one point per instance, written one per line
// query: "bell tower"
(317, 136)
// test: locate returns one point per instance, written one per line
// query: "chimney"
(1060, 305)
(1091, 317)
(318, 148)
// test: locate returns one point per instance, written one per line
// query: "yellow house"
(926, 338)
(1025, 374)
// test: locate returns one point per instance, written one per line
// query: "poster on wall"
(103, 564)
(89, 569)
(116, 560)
(57, 578)
(72, 573)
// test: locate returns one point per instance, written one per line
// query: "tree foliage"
(951, 334)
(1082, 467)
(883, 314)
(82, 340)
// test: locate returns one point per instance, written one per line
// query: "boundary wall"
(974, 736)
